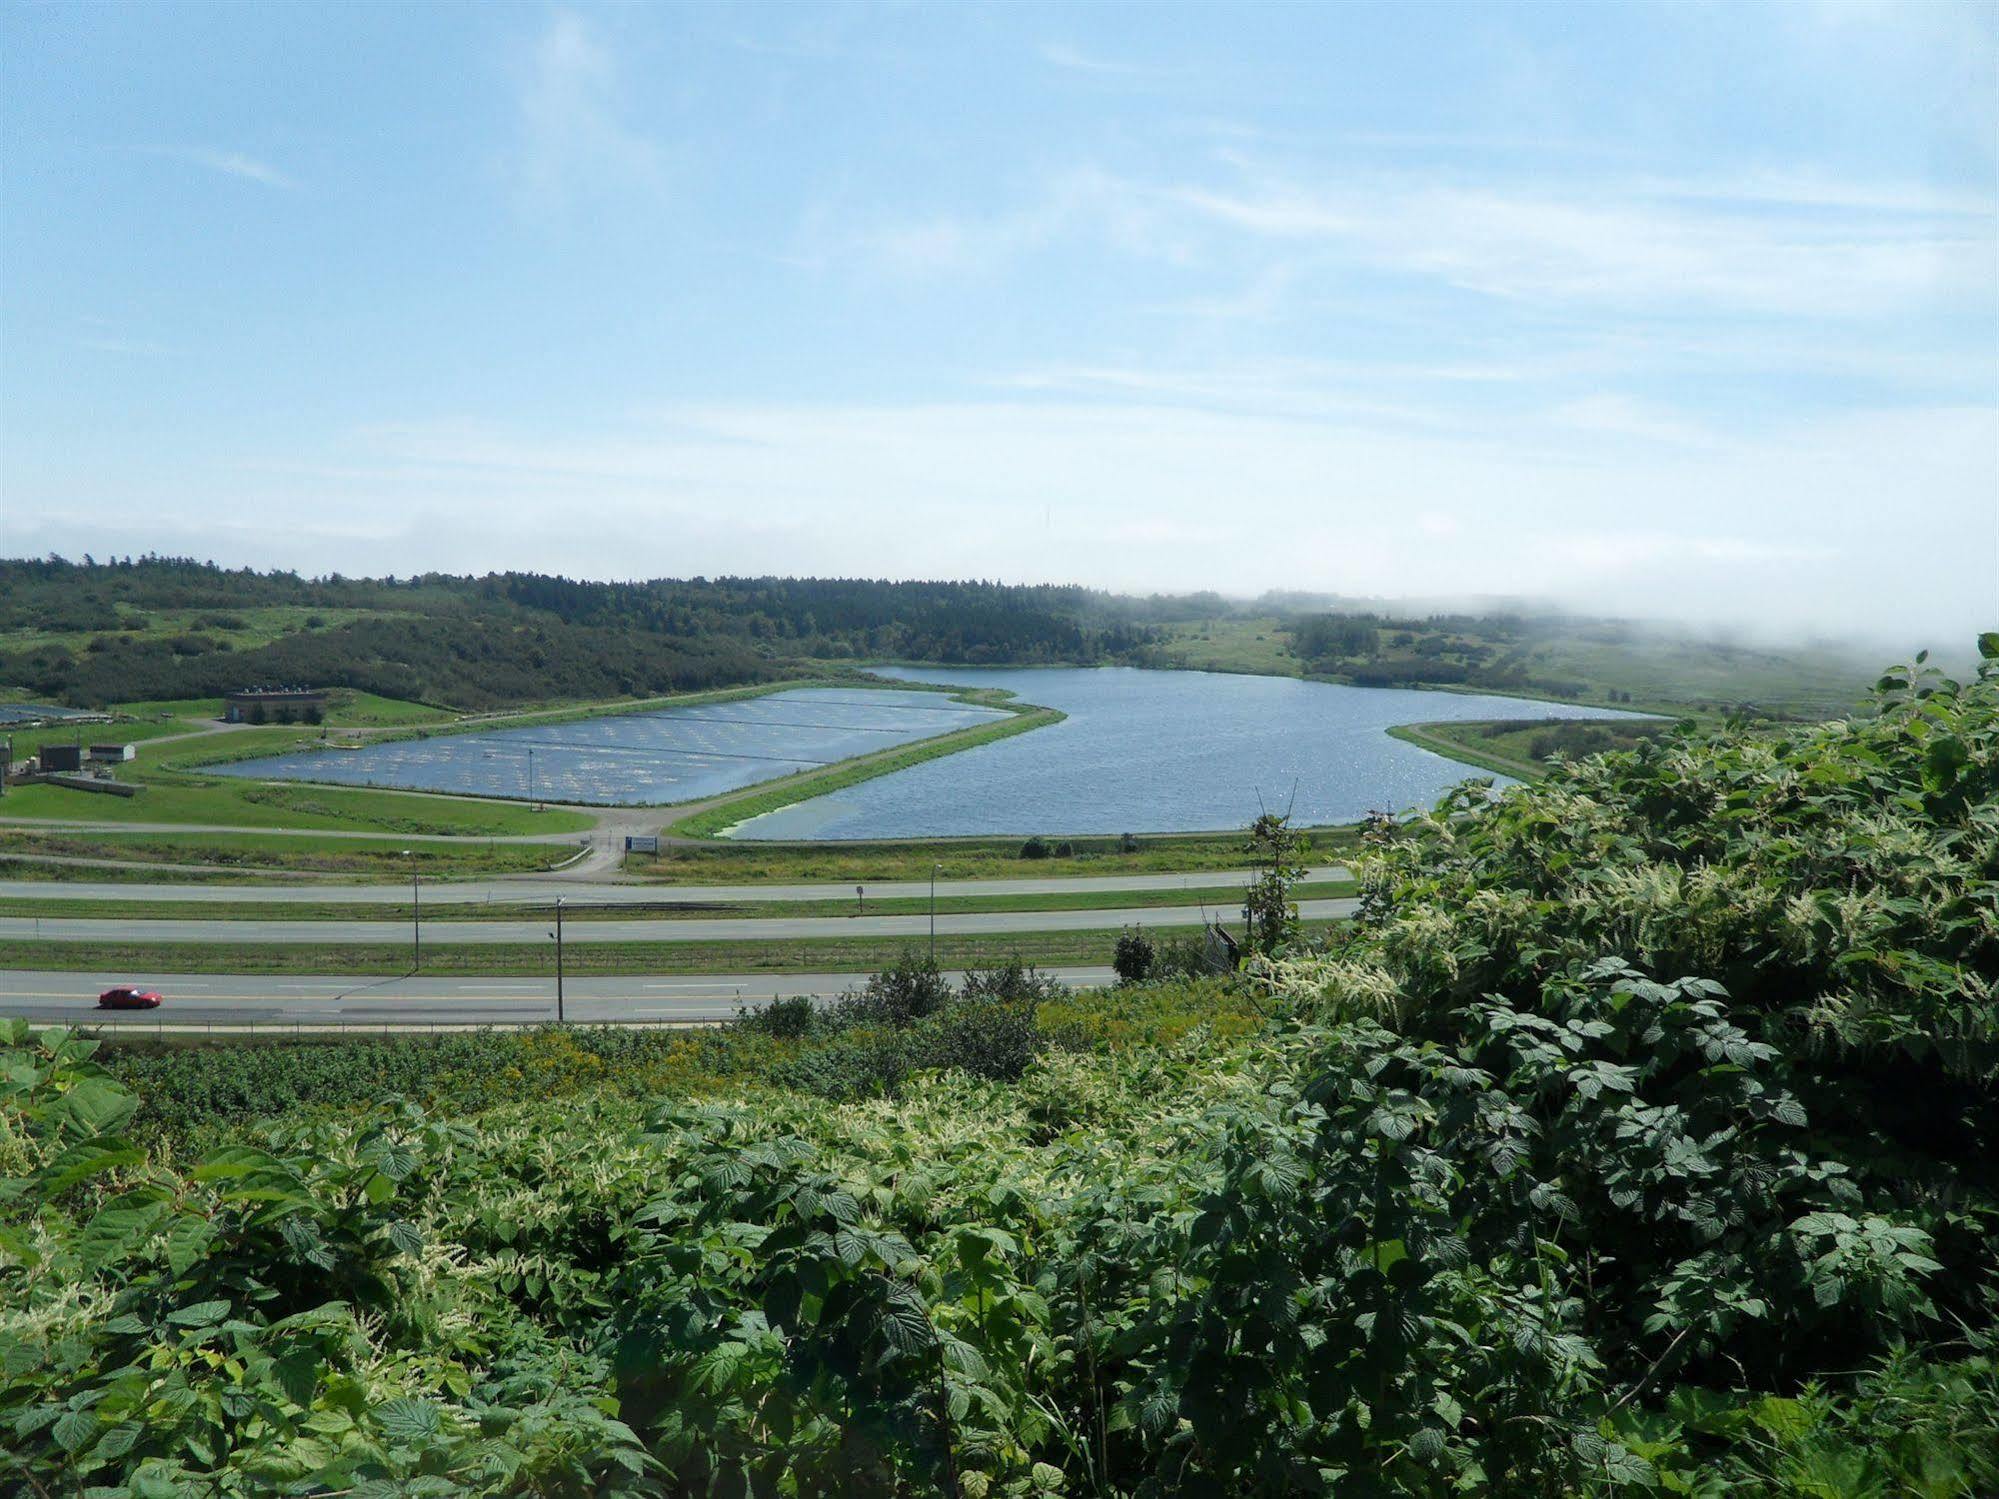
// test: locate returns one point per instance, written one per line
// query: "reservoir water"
(1159, 751)
(673, 755)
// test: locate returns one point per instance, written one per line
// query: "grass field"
(1223, 898)
(250, 804)
(28, 742)
(55, 876)
(383, 858)
(720, 862)
(500, 960)
(1256, 645)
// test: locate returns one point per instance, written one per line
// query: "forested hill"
(162, 627)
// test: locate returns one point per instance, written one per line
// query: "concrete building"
(274, 705)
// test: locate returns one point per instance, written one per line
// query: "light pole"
(933, 913)
(530, 772)
(416, 915)
(557, 935)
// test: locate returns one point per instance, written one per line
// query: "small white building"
(112, 754)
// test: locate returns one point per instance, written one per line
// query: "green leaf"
(200, 1314)
(1787, 1420)
(118, 1441)
(96, 1106)
(81, 1162)
(73, 1430)
(187, 1243)
(411, 1422)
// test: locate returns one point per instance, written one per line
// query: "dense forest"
(94, 633)
(1640, 1135)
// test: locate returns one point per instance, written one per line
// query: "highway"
(331, 1003)
(694, 929)
(545, 891)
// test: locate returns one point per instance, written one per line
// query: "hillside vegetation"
(95, 633)
(1564, 656)
(92, 633)
(1639, 1136)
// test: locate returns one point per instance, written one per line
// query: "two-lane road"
(691, 929)
(333, 1002)
(518, 891)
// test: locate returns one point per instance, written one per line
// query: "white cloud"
(1791, 246)
(574, 140)
(1084, 199)
(1597, 248)
(229, 163)
(1620, 417)
(1074, 60)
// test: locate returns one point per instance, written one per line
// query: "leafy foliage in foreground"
(1637, 1138)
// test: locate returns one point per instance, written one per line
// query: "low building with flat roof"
(274, 705)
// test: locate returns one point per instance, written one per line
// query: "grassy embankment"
(299, 807)
(724, 863)
(507, 959)
(1429, 736)
(1224, 898)
(173, 789)
(58, 875)
(1523, 748)
(297, 853)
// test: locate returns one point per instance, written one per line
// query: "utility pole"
(530, 772)
(559, 1017)
(416, 915)
(933, 913)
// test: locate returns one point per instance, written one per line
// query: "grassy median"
(1223, 898)
(513, 960)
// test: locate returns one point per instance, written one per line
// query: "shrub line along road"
(716, 929)
(581, 893)
(223, 1002)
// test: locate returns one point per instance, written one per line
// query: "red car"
(128, 997)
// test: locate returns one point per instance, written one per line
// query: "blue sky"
(1666, 310)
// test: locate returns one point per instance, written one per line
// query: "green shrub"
(1135, 956)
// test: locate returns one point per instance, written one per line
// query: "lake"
(672, 755)
(1160, 751)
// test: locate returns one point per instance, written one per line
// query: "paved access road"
(518, 891)
(692, 929)
(332, 1002)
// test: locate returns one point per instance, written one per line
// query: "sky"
(1681, 310)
